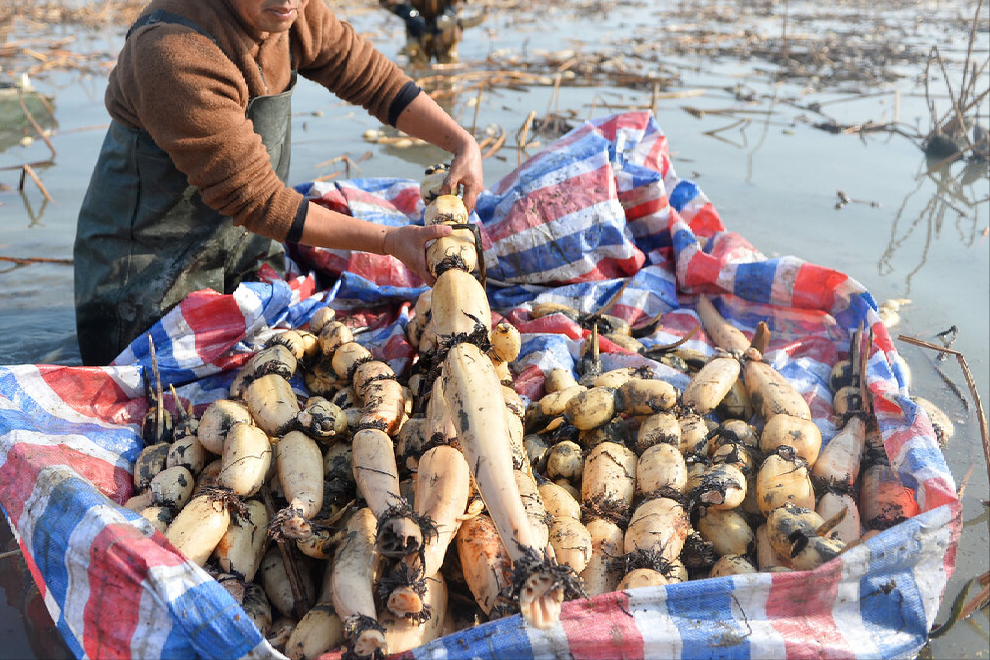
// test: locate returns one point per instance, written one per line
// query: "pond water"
(773, 176)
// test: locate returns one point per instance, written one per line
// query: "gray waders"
(145, 239)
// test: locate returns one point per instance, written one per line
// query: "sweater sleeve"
(191, 99)
(331, 53)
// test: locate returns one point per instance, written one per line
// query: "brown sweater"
(191, 97)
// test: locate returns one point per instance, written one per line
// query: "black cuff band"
(405, 96)
(296, 230)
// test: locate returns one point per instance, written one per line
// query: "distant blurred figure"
(433, 29)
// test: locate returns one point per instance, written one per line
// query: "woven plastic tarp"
(599, 218)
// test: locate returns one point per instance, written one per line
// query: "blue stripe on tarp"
(659, 282)
(683, 239)
(585, 296)
(900, 373)
(651, 242)
(67, 504)
(920, 460)
(852, 314)
(513, 296)
(275, 298)
(214, 623)
(502, 639)
(169, 372)
(219, 382)
(29, 416)
(891, 604)
(69, 637)
(559, 249)
(754, 281)
(636, 176)
(300, 313)
(353, 290)
(378, 184)
(177, 645)
(805, 380)
(217, 628)
(696, 605)
(685, 191)
(555, 344)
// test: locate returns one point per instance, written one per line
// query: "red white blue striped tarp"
(599, 218)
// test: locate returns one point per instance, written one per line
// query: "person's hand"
(465, 169)
(408, 245)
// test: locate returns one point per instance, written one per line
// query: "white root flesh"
(469, 380)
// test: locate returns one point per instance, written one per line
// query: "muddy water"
(772, 175)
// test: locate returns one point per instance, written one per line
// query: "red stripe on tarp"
(799, 607)
(382, 270)
(397, 347)
(268, 274)
(938, 491)
(706, 221)
(881, 338)
(812, 347)
(949, 561)
(701, 274)
(215, 321)
(885, 405)
(92, 392)
(322, 260)
(628, 313)
(680, 323)
(377, 199)
(19, 474)
(303, 286)
(820, 407)
(905, 434)
(550, 205)
(643, 209)
(658, 157)
(635, 121)
(39, 579)
(611, 269)
(606, 345)
(728, 247)
(408, 200)
(119, 559)
(815, 287)
(530, 382)
(333, 200)
(557, 324)
(370, 318)
(601, 628)
(232, 361)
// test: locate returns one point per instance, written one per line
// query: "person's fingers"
(446, 187)
(431, 232)
(470, 197)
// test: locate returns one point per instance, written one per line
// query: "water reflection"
(23, 596)
(34, 216)
(23, 113)
(954, 200)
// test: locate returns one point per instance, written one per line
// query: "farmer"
(188, 192)
(432, 29)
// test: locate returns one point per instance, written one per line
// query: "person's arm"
(424, 119)
(330, 229)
